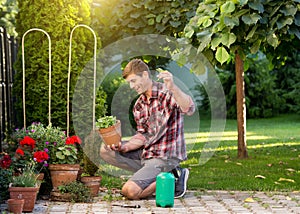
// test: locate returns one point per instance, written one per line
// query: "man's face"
(138, 83)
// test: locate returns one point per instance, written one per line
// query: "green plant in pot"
(25, 186)
(109, 129)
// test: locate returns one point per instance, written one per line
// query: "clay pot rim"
(74, 167)
(15, 199)
(108, 129)
(86, 178)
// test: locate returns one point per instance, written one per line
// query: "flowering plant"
(6, 173)
(45, 145)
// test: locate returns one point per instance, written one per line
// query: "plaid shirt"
(160, 124)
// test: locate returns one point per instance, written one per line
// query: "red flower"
(28, 141)
(40, 156)
(73, 140)
(5, 162)
(20, 152)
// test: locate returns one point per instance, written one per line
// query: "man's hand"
(183, 100)
(167, 77)
(117, 147)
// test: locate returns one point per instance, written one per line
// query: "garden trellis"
(69, 74)
(23, 69)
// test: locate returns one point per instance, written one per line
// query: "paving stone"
(209, 202)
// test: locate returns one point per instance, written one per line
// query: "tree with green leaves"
(57, 18)
(8, 11)
(229, 30)
(118, 19)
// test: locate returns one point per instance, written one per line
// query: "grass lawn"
(273, 146)
(274, 157)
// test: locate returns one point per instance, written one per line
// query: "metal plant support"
(23, 67)
(69, 75)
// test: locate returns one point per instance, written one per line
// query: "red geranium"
(20, 152)
(73, 140)
(28, 141)
(5, 162)
(40, 156)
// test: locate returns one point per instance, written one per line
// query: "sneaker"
(181, 176)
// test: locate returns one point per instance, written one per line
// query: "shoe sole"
(186, 177)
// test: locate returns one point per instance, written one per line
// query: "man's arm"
(136, 142)
(182, 99)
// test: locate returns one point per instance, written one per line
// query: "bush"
(57, 18)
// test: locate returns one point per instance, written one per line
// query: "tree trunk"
(241, 107)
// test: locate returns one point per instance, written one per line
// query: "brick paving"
(193, 203)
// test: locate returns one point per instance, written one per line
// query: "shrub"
(57, 18)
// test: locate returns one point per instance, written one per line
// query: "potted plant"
(25, 186)
(48, 146)
(64, 165)
(89, 176)
(109, 129)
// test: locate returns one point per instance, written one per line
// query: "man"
(159, 140)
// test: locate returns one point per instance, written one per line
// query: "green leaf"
(150, 16)
(159, 18)
(243, 2)
(222, 55)
(255, 47)
(67, 152)
(204, 40)
(228, 7)
(251, 33)
(151, 21)
(175, 24)
(231, 21)
(283, 22)
(294, 31)
(218, 26)
(60, 155)
(274, 20)
(205, 21)
(215, 42)
(289, 10)
(272, 40)
(228, 39)
(239, 13)
(250, 19)
(189, 34)
(256, 5)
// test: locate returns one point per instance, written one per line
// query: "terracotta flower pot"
(93, 183)
(62, 174)
(29, 195)
(15, 205)
(40, 176)
(112, 134)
